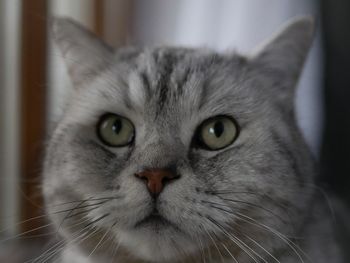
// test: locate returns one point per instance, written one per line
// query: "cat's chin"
(156, 240)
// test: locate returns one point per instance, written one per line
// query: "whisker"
(213, 241)
(87, 226)
(115, 251)
(47, 234)
(79, 206)
(45, 215)
(253, 205)
(260, 246)
(312, 186)
(102, 238)
(251, 249)
(59, 243)
(232, 238)
(285, 239)
(80, 239)
(46, 252)
(236, 238)
(26, 232)
(201, 248)
(229, 252)
(83, 212)
(209, 254)
(69, 213)
(246, 203)
(262, 195)
(22, 222)
(280, 235)
(87, 199)
(273, 202)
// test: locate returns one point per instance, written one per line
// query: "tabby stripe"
(167, 69)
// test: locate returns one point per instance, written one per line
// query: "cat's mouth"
(155, 220)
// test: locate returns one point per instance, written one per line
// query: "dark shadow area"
(335, 156)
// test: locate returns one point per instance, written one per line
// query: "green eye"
(116, 131)
(217, 133)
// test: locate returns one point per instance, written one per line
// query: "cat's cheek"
(134, 202)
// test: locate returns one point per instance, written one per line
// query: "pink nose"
(156, 178)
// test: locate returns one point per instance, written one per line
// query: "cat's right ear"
(84, 54)
(282, 57)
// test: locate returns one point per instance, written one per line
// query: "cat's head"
(170, 150)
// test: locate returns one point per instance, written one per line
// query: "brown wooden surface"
(33, 107)
(99, 6)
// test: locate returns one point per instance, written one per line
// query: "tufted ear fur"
(85, 55)
(283, 56)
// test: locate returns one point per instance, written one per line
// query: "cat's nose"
(155, 179)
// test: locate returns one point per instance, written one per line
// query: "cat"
(174, 154)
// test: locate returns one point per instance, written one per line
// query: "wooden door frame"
(33, 90)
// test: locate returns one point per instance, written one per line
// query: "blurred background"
(34, 83)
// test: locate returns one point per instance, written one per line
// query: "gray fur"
(256, 193)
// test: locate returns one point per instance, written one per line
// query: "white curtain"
(235, 25)
(9, 114)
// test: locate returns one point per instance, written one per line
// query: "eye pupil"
(216, 133)
(218, 128)
(117, 126)
(115, 131)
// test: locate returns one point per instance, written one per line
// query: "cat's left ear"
(84, 54)
(284, 55)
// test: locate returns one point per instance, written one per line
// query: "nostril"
(141, 176)
(156, 179)
(165, 180)
(177, 176)
(168, 179)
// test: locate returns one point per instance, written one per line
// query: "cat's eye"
(116, 131)
(217, 133)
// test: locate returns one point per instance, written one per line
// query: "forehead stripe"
(166, 67)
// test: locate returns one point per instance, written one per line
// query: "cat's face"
(168, 150)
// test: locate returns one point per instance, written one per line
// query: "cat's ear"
(285, 53)
(84, 54)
